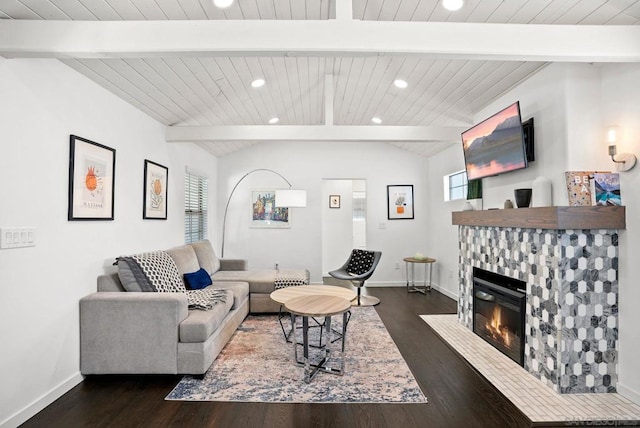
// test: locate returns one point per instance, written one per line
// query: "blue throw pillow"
(197, 280)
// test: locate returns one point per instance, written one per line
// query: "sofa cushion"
(199, 325)
(127, 279)
(185, 259)
(240, 291)
(207, 258)
(153, 271)
(260, 281)
(197, 280)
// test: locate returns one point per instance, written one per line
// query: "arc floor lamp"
(290, 198)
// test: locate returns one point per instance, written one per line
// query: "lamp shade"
(291, 198)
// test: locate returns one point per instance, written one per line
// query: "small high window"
(455, 186)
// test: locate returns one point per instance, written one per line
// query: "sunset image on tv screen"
(495, 145)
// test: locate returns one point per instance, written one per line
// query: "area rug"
(257, 365)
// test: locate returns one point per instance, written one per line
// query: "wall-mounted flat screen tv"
(495, 145)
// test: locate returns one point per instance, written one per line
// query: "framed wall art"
(91, 180)
(155, 191)
(265, 214)
(400, 202)
(334, 201)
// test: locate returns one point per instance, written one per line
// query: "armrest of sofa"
(123, 332)
(233, 264)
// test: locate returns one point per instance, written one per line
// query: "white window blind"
(359, 206)
(195, 208)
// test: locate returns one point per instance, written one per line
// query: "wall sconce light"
(623, 161)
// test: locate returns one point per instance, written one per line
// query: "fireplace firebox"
(499, 312)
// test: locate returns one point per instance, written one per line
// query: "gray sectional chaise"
(136, 332)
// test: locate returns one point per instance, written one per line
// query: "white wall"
(305, 165)
(41, 103)
(621, 106)
(337, 224)
(571, 103)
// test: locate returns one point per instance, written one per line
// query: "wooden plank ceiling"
(215, 90)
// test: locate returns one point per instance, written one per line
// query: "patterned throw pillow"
(361, 261)
(155, 271)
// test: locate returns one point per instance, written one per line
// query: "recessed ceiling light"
(257, 83)
(452, 5)
(376, 120)
(222, 4)
(274, 120)
(400, 83)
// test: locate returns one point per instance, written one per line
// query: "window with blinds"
(195, 208)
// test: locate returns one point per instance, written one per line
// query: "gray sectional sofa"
(137, 332)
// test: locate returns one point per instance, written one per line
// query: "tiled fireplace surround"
(571, 319)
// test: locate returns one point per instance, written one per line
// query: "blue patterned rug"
(257, 365)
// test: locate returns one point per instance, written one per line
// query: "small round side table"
(319, 306)
(411, 274)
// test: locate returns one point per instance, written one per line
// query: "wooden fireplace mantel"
(589, 217)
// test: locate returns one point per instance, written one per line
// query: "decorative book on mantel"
(605, 189)
(579, 187)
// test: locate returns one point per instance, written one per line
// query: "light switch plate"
(15, 237)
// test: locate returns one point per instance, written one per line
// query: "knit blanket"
(157, 272)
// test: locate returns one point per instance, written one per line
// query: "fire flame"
(497, 329)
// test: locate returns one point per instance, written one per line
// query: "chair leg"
(365, 300)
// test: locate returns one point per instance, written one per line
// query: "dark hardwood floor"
(458, 396)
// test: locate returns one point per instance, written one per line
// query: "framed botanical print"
(91, 180)
(400, 202)
(155, 191)
(334, 201)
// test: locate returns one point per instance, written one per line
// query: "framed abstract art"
(91, 180)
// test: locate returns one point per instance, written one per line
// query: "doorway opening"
(344, 220)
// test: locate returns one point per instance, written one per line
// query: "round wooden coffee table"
(319, 305)
(283, 295)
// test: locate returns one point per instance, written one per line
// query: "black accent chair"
(357, 269)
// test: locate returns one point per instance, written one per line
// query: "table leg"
(406, 269)
(327, 348)
(411, 283)
(305, 349)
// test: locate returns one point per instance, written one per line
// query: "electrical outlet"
(397, 266)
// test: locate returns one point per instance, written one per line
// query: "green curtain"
(474, 189)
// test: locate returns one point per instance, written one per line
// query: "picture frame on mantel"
(400, 202)
(155, 191)
(91, 180)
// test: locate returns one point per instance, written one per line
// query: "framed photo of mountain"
(605, 189)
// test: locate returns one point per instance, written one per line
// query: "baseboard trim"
(446, 292)
(628, 393)
(374, 284)
(36, 406)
